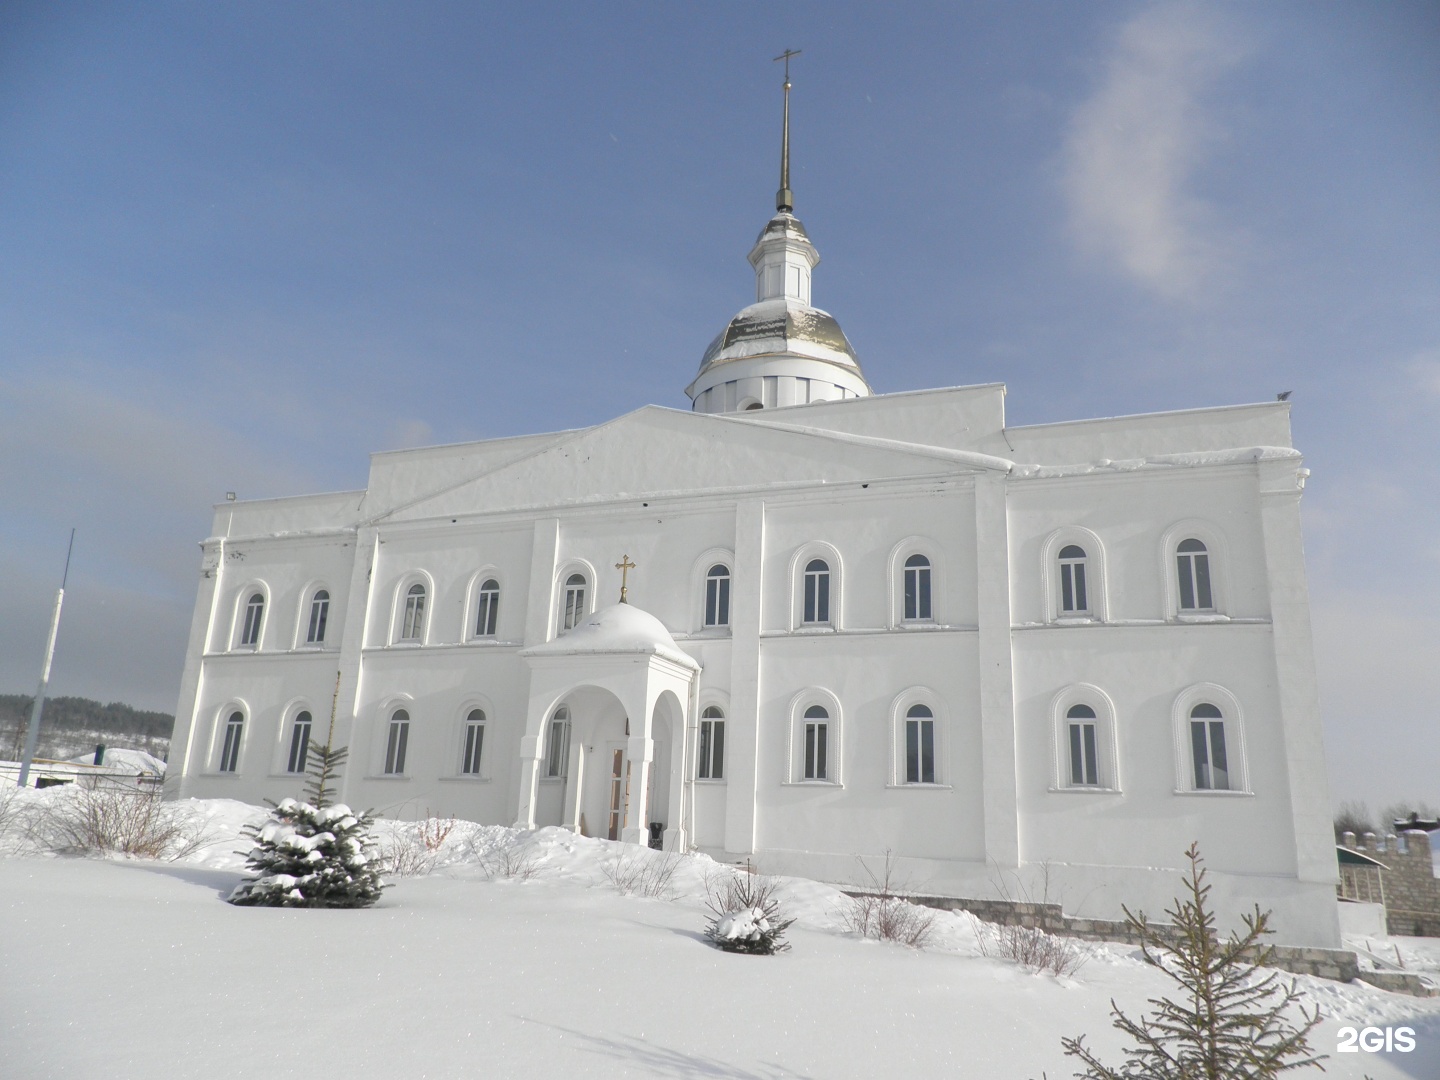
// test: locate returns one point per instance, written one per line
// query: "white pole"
(33, 735)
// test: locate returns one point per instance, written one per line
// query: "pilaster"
(742, 729)
(997, 682)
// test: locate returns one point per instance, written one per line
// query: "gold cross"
(624, 566)
(786, 57)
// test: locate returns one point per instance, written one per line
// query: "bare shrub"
(1031, 948)
(96, 818)
(414, 848)
(518, 861)
(637, 872)
(881, 914)
(747, 916)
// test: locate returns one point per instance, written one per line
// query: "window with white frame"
(412, 622)
(816, 600)
(1192, 565)
(815, 739)
(488, 610)
(557, 752)
(711, 764)
(1208, 752)
(397, 743)
(299, 743)
(230, 748)
(917, 589)
(717, 595)
(254, 616)
(1082, 731)
(473, 744)
(319, 616)
(574, 609)
(920, 745)
(1074, 593)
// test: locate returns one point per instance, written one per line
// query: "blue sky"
(242, 246)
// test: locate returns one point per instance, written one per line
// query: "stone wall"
(1412, 892)
(1338, 964)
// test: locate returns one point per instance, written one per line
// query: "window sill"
(465, 779)
(1084, 789)
(221, 775)
(1075, 620)
(389, 776)
(921, 787)
(1201, 617)
(407, 644)
(812, 783)
(1213, 793)
(285, 776)
(813, 628)
(713, 781)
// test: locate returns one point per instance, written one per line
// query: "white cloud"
(1424, 371)
(1133, 148)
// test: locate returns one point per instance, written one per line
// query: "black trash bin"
(657, 834)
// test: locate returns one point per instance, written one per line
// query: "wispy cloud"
(1424, 371)
(1133, 149)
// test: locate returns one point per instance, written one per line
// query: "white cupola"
(780, 350)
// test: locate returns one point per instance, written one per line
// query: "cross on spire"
(624, 566)
(785, 198)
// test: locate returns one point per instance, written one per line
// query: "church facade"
(805, 624)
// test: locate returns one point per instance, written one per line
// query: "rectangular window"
(557, 760)
(489, 613)
(920, 751)
(574, 606)
(474, 743)
(815, 737)
(1207, 745)
(717, 601)
(1194, 573)
(917, 593)
(817, 596)
(299, 745)
(1084, 767)
(1072, 587)
(254, 612)
(395, 747)
(414, 616)
(712, 750)
(319, 615)
(230, 753)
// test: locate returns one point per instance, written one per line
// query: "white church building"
(803, 623)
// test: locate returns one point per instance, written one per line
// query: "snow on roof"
(619, 628)
(123, 760)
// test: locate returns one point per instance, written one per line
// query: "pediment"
(655, 451)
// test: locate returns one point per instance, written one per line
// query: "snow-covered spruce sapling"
(1230, 1022)
(314, 853)
(746, 915)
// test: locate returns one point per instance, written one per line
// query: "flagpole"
(33, 735)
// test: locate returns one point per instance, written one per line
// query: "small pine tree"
(1231, 1022)
(314, 853)
(747, 916)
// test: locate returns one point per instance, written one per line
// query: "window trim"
(397, 614)
(900, 708)
(1216, 549)
(895, 582)
(699, 579)
(1237, 758)
(1096, 579)
(550, 758)
(243, 597)
(460, 722)
(218, 737)
(700, 758)
(287, 744)
(1107, 750)
(481, 758)
(562, 576)
(802, 556)
(834, 739)
(307, 606)
(402, 750)
(470, 631)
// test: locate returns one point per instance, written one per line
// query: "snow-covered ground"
(134, 968)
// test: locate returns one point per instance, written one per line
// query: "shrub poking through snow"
(643, 872)
(315, 853)
(882, 914)
(1230, 1022)
(747, 915)
(98, 818)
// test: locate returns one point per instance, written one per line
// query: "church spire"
(785, 198)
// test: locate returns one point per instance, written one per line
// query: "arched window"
(397, 743)
(919, 745)
(1207, 748)
(319, 615)
(717, 595)
(254, 615)
(917, 589)
(712, 744)
(1074, 595)
(474, 743)
(557, 757)
(815, 739)
(574, 609)
(1192, 564)
(1082, 734)
(412, 625)
(230, 749)
(817, 593)
(488, 610)
(299, 743)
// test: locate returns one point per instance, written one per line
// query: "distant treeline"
(82, 714)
